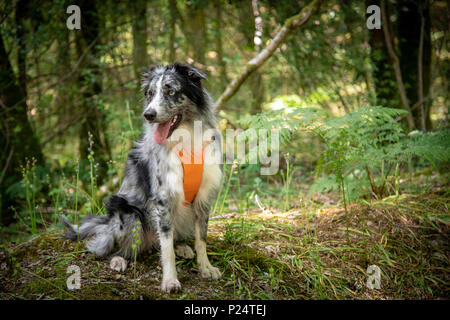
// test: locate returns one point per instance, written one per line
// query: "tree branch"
(289, 25)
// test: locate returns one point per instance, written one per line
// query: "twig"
(6, 165)
(372, 183)
(258, 203)
(53, 210)
(52, 284)
(56, 133)
(384, 179)
(346, 109)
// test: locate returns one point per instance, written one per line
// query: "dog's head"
(173, 94)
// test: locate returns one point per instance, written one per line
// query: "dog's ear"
(189, 71)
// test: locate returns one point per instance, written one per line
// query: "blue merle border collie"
(152, 190)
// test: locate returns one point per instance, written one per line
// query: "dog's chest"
(184, 214)
(206, 178)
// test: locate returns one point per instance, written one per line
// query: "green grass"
(311, 251)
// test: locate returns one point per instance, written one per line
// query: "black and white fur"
(152, 189)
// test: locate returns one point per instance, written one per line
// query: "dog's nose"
(150, 115)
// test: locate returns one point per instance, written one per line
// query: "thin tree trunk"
(426, 63)
(90, 84)
(396, 65)
(386, 93)
(256, 84)
(414, 47)
(21, 15)
(65, 97)
(251, 29)
(139, 28)
(258, 26)
(195, 32)
(172, 31)
(219, 45)
(420, 75)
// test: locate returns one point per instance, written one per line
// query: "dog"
(153, 198)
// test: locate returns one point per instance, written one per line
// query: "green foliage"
(362, 149)
(358, 143)
(287, 120)
(135, 246)
(367, 144)
(433, 146)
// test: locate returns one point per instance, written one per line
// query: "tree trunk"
(18, 139)
(409, 26)
(248, 27)
(139, 26)
(172, 31)
(218, 7)
(90, 84)
(195, 31)
(383, 74)
(389, 37)
(65, 99)
(21, 16)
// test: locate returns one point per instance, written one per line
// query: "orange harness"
(192, 179)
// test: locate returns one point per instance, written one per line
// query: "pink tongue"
(162, 131)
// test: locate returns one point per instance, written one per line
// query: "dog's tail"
(110, 233)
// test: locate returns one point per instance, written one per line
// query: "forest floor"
(312, 252)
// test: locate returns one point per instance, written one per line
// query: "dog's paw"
(210, 272)
(118, 264)
(170, 285)
(184, 251)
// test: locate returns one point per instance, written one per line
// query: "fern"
(363, 149)
(371, 142)
(286, 121)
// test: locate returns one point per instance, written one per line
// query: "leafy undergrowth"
(265, 254)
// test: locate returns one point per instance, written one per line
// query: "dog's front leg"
(170, 282)
(201, 228)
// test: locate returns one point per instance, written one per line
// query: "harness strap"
(192, 178)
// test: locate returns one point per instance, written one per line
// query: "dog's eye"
(150, 94)
(171, 92)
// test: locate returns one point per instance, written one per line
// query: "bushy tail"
(110, 233)
(89, 226)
